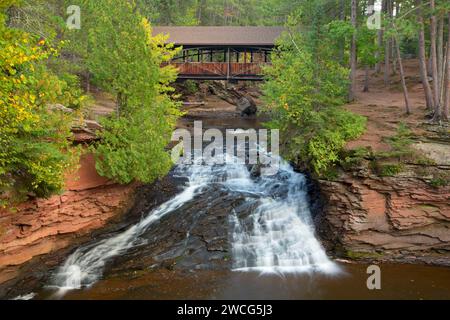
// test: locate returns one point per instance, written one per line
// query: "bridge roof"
(221, 36)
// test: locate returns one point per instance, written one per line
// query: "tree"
(434, 63)
(35, 150)
(388, 44)
(402, 75)
(367, 52)
(303, 93)
(126, 60)
(447, 78)
(422, 57)
(353, 50)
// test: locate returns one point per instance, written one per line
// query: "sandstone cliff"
(40, 227)
(398, 219)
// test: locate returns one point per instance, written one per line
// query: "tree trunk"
(436, 87)
(342, 43)
(387, 49)
(366, 79)
(447, 80)
(380, 41)
(440, 55)
(394, 50)
(402, 75)
(371, 11)
(353, 58)
(423, 59)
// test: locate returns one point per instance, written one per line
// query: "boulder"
(59, 107)
(246, 106)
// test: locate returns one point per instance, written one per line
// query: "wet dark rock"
(196, 236)
(246, 106)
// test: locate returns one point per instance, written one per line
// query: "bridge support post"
(228, 63)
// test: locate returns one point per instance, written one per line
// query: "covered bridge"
(222, 53)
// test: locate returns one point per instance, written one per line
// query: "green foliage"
(125, 59)
(353, 158)
(131, 149)
(205, 12)
(439, 182)
(35, 152)
(400, 143)
(303, 94)
(388, 170)
(191, 86)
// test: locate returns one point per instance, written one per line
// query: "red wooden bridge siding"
(222, 53)
(219, 69)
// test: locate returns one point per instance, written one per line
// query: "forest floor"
(385, 110)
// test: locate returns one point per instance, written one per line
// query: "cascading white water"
(85, 266)
(280, 238)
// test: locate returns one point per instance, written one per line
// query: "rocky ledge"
(39, 227)
(403, 218)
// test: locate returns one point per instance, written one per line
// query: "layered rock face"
(43, 226)
(397, 219)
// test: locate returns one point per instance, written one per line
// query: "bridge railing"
(222, 70)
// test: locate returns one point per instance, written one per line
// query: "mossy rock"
(439, 182)
(387, 169)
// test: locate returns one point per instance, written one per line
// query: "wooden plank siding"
(219, 70)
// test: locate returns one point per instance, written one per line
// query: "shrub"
(303, 94)
(35, 152)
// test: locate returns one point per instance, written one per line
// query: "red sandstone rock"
(400, 218)
(43, 226)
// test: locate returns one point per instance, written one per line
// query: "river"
(228, 233)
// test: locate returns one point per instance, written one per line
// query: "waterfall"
(278, 236)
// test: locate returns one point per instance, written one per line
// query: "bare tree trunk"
(380, 41)
(440, 54)
(402, 75)
(394, 53)
(342, 44)
(423, 59)
(201, 12)
(353, 58)
(447, 80)
(366, 79)
(371, 6)
(387, 50)
(436, 87)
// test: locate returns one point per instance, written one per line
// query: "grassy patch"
(389, 170)
(354, 158)
(438, 182)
